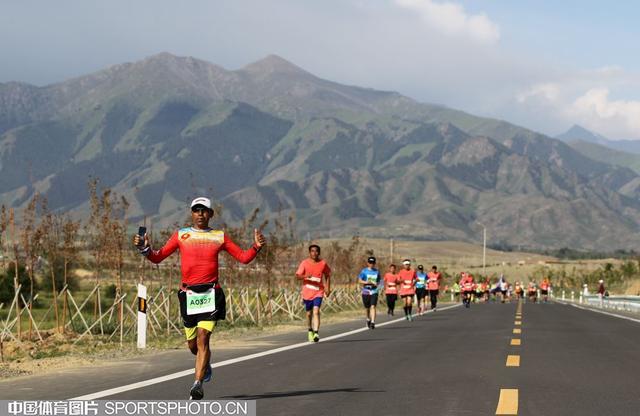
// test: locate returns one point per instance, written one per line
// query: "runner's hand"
(137, 241)
(259, 238)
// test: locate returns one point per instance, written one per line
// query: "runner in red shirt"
(544, 289)
(467, 286)
(202, 301)
(314, 272)
(391, 282)
(407, 288)
(434, 277)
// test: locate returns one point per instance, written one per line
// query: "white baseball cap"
(205, 202)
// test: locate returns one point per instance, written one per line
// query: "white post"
(580, 298)
(391, 254)
(563, 295)
(484, 250)
(142, 316)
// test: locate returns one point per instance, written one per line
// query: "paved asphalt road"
(453, 362)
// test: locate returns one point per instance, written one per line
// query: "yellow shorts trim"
(191, 333)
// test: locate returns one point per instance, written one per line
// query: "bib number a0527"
(201, 302)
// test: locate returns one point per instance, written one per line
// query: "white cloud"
(596, 108)
(546, 91)
(602, 100)
(452, 19)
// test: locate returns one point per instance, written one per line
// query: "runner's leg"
(316, 319)
(204, 352)
(193, 346)
(310, 319)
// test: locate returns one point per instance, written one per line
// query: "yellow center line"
(517, 331)
(513, 361)
(515, 341)
(508, 402)
(518, 323)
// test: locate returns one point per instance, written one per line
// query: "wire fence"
(86, 317)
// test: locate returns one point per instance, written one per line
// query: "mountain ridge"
(342, 159)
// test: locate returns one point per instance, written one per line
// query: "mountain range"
(578, 134)
(343, 159)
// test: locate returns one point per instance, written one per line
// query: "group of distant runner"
(406, 283)
(202, 300)
(470, 291)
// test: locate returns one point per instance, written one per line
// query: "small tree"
(70, 230)
(30, 245)
(51, 240)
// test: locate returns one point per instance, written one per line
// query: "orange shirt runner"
(391, 282)
(434, 280)
(407, 282)
(315, 274)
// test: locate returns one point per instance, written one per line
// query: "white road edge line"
(628, 318)
(140, 384)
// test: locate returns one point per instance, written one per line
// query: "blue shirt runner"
(372, 277)
(422, 279)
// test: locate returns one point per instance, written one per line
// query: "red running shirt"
(315, 273)
(199, 253)
(407, 282)
(390, 283)
(467, 284)
(433, 283)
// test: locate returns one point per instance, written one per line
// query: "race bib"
(372, 278)
(201, 302)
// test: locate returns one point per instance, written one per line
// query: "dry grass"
(454, 257)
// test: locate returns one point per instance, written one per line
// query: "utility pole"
(391, 251)
(484, 248)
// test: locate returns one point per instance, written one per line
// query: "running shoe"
(373, 325)
(410, 317)
(208, 372)
(310, 336)
(369, 323)
(316, 337)
(196, 392)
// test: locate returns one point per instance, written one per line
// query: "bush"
(6, 283)
(58, 270)
(110, 291)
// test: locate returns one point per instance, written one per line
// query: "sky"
(545, 65)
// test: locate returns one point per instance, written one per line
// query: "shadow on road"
(278, 394)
